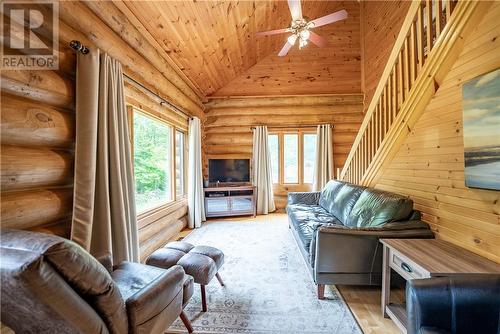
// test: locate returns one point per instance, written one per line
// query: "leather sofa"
(338, 230)
(52, 285)
(459, 305)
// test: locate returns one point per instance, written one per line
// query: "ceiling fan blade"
(317, 39)
(272, 32)
(330, 18)
(285, 49)
(295, 9)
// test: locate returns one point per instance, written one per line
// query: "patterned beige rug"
(268, 289)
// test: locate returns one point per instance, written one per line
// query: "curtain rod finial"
(78, 47)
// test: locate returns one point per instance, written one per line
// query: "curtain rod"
(294, 126)
(79, 47)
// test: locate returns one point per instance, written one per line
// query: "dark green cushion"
(344, 200)
(376, 208)
(328, 194)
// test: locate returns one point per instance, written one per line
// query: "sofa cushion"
(344, 201)
(328, 194)
(306, 219)
(79, 269)
(375, 208)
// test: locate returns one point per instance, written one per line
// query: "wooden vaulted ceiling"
(214, 44)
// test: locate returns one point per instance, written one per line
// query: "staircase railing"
(421, 29)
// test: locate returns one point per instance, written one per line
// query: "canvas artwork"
(481, 120)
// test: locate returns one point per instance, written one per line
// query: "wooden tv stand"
(227, 200)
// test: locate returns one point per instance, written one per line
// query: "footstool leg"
(203, 298)
(186, 322)
(219, 279)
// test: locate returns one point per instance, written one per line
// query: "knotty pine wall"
(429, 167)
(38, 129)
(228, 134)
(381, 22)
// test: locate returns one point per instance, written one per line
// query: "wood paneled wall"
(38, 128)
(228, 134)
(429, 167)
(380, 25)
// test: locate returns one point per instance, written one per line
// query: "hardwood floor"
(364, 301)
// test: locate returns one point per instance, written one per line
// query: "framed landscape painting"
(481, 120)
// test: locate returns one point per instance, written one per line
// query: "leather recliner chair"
(338, 231)
(458, 305)
(52, 285)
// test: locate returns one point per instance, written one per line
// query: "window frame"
(184, 164)
(281, 148)
(158, 210)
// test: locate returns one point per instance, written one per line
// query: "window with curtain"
(274, 154)
(293, 155)
(152, 162)
(159, 151)
(291, 158)
(180, 177)
(309, 156)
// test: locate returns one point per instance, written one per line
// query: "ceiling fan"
(301, 28)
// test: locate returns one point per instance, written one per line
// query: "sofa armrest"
(163, 288)
(442, 304)
(307, 198)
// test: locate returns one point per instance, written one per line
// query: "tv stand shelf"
(225, 201)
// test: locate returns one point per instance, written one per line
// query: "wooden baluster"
(413, 53)
(401, 97)
(387, 111)
(362, 156)
(420, 38)
(372, 141)
(406, 65)
(389, 102)
(394, 95)
(380, 121)
(383, 113)
(438, 13)
(447, 4)
(428, 16)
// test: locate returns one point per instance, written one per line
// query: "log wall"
(429, 167)
(38, 127)
(228, 134)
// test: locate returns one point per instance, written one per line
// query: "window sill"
(148, 217)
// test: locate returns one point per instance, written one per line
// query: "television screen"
(229, 170)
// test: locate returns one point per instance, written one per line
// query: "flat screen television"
(229, 170)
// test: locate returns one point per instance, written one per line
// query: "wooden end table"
(424, 258)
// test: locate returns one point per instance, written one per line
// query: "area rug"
(268, 288)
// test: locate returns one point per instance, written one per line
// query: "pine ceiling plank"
(214, 44)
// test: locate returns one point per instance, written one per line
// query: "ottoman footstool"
(200, 262)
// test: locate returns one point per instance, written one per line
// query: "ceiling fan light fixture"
(291, 39)
(304, 34)
(302, 43)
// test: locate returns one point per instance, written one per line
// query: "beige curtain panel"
(196, 207)
(323, 168)
(104, 216)
(262, 171)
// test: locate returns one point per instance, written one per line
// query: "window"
(152, 162)
(293, 156)
(180, 188)
(309, 149)
(274, 153)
